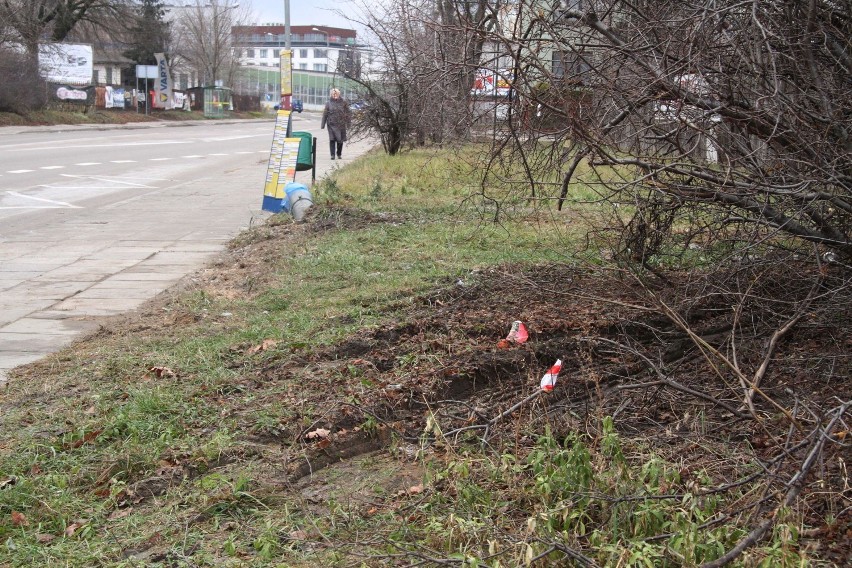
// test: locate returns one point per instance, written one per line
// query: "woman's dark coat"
(337, 116)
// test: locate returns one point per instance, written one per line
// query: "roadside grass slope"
(331, 392)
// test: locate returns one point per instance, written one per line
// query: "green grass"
(93, 437)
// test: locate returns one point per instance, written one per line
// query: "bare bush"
(22, 90)
(741, 109)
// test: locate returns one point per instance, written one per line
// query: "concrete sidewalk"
(56, 287)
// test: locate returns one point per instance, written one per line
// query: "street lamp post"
(327, 47)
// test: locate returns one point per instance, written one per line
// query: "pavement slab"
(127, 231)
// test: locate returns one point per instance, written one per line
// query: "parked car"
(295, 105)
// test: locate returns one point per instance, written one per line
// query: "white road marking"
(56, 204)
(193, 156)
(122, 161)
(217, 154)
(158, 159)
(19, 171)
(123, 145)
(51, 167)
(88, 164)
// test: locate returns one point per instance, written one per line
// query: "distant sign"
(68, 63)
(488, 82)
(66, 94)
(146, 71)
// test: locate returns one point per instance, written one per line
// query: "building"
(319, 53)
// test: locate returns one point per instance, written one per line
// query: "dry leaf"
(87, 437)
(415, 489)
(318, 433)
(324, 443)
(72, 528)
(299, 535)
(45, 538)
(19, 519)
(120, 513)
(267, 344)
(161, 372)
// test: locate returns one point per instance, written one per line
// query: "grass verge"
(259, 417)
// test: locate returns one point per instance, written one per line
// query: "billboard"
(69, 63)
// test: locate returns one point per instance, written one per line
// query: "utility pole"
(286, 63)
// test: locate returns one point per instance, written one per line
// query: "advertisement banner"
(163, 84)
(118, 98)
(67, 63)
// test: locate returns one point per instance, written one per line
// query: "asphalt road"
(95, 221)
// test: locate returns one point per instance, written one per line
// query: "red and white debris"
(549, 378)
(518, 333)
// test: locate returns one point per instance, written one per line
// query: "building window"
(276, 53)
(571, 67)
(320, 53)
(320, 67)
(249, 53)
(556, 64)
(96, 77)
(264, 53)
(109, 75)
(303, 53)
(303, 66)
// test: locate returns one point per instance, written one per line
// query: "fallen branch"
(795, 485)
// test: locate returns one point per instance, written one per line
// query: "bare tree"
(54, 20)
(203, 39)
(425, 55)
(25, 25)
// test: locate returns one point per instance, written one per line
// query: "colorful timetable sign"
(281, 168)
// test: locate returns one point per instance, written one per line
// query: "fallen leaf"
(72, 528)
(267, 344)
(87, 437)
(35, 469)
(298, 535)
(8, 482)
(19, 519)
(161, 372)
(45, 538)
(318, 433)
(120, 513)
(324, 443)
(415, 489)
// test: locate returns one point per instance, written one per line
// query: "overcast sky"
(302, 12)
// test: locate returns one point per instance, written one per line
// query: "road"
(95, 221)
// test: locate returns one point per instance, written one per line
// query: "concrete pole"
(287, 23)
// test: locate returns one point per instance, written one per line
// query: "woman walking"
(337, 116)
